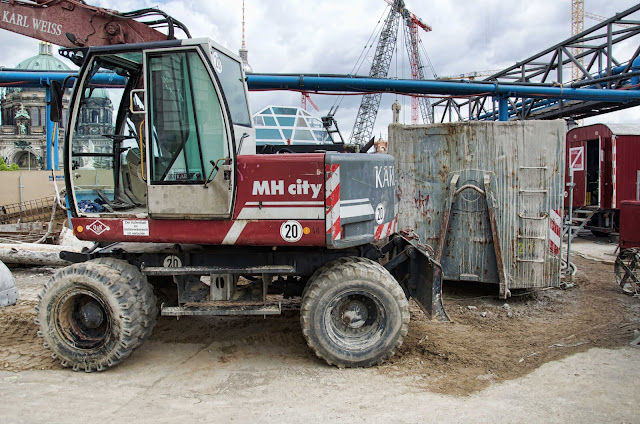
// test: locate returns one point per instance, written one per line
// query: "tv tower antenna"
(244, 53)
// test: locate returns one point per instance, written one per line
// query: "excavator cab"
(181, 117)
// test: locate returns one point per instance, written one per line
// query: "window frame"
(215, 81)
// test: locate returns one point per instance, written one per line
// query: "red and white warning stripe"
(386, 229)
(332, 191)
(555, 229)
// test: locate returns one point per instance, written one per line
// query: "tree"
(4, 167)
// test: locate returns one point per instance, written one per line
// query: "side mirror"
(136, 101)
(55, 111)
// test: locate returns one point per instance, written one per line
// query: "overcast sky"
(328, 36)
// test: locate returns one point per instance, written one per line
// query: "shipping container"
(486, 196)
(606, 170)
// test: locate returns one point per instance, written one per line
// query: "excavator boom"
(72, 23)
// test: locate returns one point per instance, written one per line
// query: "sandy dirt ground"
(546, 356)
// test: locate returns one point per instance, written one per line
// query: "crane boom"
(412, 42)
(369, 104)
(72, 23)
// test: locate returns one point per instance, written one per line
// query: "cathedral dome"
(43, 61)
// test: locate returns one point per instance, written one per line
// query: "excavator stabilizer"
(419, 275)
(8, 289)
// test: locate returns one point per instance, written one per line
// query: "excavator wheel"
(88, 316)
(354, 314)
(8, 289)
(326, 267)
(145, 298)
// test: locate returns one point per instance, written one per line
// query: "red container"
(629, 224)
(607, 158)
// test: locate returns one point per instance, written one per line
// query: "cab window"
(187, 125)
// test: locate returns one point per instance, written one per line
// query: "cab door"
(190, 154)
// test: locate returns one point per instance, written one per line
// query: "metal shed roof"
(616, 129)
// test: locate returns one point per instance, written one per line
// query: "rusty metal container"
(487, 196)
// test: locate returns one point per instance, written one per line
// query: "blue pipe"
(40, 79)
(503, 109)
(52, 139)
(350, 84)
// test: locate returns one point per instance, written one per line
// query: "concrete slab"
(593, 248)
(593, 386)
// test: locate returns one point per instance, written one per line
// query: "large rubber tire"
(354, 314)
(88, 317)
(326, 267)
(146, 301)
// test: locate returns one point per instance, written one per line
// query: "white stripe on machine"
(234, 232)
(282, 212)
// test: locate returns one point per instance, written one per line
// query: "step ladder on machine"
(579, 219)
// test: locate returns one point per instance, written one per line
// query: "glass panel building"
(288, 125)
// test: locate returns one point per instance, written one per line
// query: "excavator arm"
(73, 23)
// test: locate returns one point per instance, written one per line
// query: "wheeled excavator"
(187, 219)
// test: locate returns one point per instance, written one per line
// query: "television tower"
(244, 53)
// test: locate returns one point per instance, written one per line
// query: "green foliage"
(4, 167)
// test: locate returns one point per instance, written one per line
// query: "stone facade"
(23, 129)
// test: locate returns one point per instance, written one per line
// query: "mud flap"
(8, 289)
(418, 274)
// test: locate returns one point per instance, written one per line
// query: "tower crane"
(368, 111)
(412, 41)
(599, 18)
(577, 26)
(471, 76)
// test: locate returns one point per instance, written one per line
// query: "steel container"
(487, 196)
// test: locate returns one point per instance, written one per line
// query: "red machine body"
(629, 236)
(266, 198)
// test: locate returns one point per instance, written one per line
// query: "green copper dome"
(98, 93)
(43, 61)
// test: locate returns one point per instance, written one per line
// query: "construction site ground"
(551, 356)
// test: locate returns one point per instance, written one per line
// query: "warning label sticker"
(135, 228)
(576, 158)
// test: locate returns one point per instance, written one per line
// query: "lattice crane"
(370, 103)
(577, 26)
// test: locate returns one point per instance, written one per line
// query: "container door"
(190, 153)
(576, 152)
(592, 173)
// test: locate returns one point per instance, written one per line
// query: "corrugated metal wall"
(517, 168)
